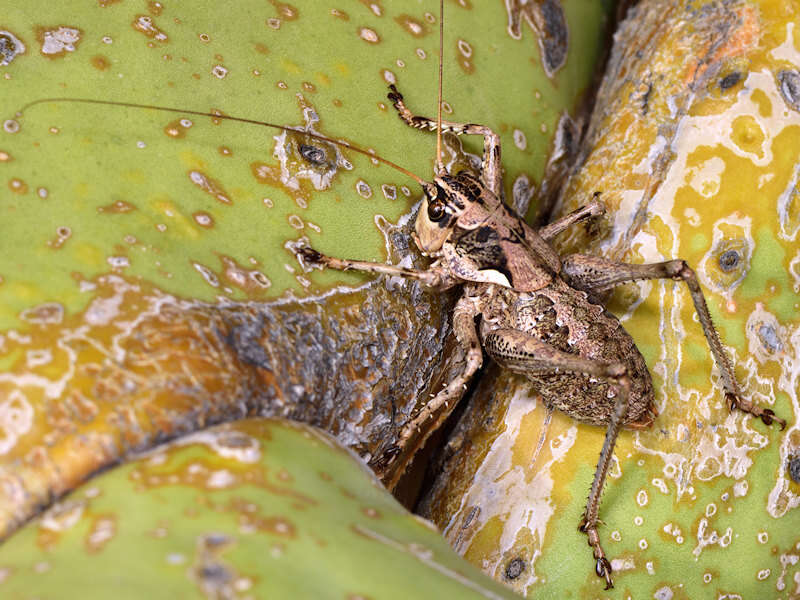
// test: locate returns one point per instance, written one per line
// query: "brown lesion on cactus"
(304, 163)
(56, 41)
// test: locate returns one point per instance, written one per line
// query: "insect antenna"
(439, 168)
(215, 115)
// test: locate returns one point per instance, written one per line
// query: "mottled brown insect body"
(563, 318)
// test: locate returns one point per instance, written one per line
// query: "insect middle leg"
(596, 275)
(416, 431)
(521, 352)
(413, 432)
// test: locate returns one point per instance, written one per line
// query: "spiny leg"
(594, 274)
(432, 277)
(414, 430)
(520, 352)
(589, 522)
(490, 168)
(595, 208)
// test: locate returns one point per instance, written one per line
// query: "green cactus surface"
(146, 272)
(254, 509)
(204, 209)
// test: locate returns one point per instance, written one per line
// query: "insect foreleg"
(523, 353)
(490, 167)
(594, 274)
(433, 277)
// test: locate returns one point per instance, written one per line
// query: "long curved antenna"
(439, 164)
(199, 113)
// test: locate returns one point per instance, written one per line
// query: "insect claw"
(768, 417)
(310, 258)
(597, 206)
(311, 255)
(731, 400)
(603, 569)
(395, 96)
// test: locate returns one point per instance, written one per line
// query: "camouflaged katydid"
(534, 312)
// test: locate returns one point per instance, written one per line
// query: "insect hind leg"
(597, 275)
(588, 524)
(523, 353)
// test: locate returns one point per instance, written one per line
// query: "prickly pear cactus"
(147, 283)
(694, 144)
(255, 509)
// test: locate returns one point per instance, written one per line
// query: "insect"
(533, 311)
(537, 313)
(529, 309)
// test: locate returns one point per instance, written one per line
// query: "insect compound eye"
(436, 211)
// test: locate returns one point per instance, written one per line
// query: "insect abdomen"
(556, 315)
